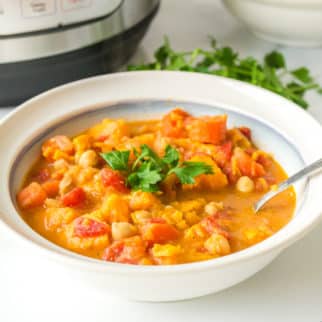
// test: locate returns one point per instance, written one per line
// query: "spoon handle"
(305, 172)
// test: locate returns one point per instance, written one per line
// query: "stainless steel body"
(35, 45)
(34, 61)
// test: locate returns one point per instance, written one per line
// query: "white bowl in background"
(73, 107)
(289, 22)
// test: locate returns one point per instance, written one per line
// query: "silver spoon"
(305, 172)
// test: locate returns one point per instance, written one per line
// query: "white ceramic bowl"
(290, 22)
(71, 108)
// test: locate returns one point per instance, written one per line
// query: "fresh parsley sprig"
(117, 160)
(189, 170)
(271, 74)
(149, 170)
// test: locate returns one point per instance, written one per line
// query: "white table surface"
(290, 289)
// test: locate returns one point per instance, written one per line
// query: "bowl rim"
(270, 244)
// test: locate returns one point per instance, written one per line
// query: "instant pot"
(45, 43)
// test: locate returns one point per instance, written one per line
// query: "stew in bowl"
(172, 190)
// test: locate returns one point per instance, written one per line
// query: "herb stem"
(270, 74)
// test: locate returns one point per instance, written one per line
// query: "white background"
(290, 289)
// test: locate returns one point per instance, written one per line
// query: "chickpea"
(88, 159)
(217, 244)
(65, 184)
(245, 184)
(60, 164)
(86, 175)
(52, 203)
(140, 216)
(122, 230)
(212, 207)
(58, 217)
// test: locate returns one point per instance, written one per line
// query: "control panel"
(23, 16)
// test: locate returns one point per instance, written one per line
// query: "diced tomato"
(257, 170)
(157, 221)
(261, 185)
(202, 249)
(51, 187)
(246, 131)
(159, 232)
(264, 160)
(43, 175)
(58, 175)
(208, 129)
(125, 260)
(227, 149)
(128, 251)
(74, 198)
(113, 252)
(31, 196)
(250, 150)
(102, 138)
(87, 227)
(227, 169)
(247, 165)
(270, 179)
(211, 224)
(173, 123)
(244, 161)
(113, 179)
(224, 153)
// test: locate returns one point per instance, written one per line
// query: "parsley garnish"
(145, 178)
(189, 170)
(271, 74)
(171, 156)
(149, 170)
(117, 160)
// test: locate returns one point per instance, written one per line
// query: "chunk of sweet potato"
(128, 251)
(57, 147)
(173, 124)
(214, 181)
(248, 166)
(159, 232)
(208, 129)
(31, 196)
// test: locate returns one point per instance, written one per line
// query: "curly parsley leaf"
(117, 160)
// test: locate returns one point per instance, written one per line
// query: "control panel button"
(68, 5)
(38, 8)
